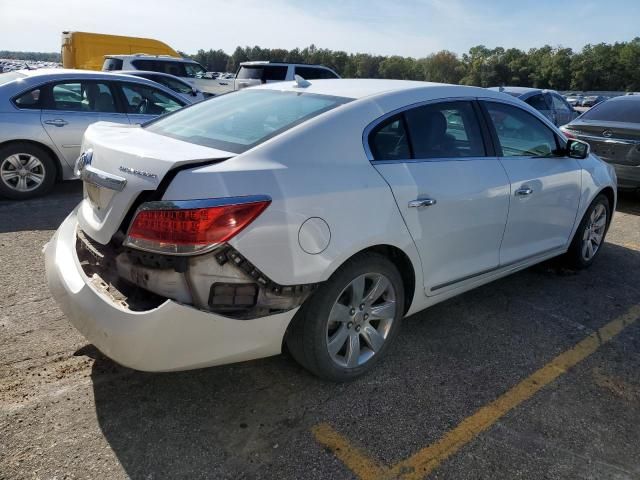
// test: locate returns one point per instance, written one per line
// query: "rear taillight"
(191, 226)
(568, 133)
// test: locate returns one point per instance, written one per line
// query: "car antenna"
(301, 82)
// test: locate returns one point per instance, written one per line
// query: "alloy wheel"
(22, 172)
(594, 232)
(360, 320)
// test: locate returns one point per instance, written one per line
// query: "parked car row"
(249, 74)
(548, 102)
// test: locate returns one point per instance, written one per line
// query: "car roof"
(518, 90)
(139, 73)
(42, 75)
(144, 56)
(357, 88)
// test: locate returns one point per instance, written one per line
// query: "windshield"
(241, 120)
(10, 77)
(194, 70)
(623, 110)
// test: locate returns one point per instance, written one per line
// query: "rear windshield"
(10, 77)
(623, 110)
(111, 64)
(275, 73)
(241, 120)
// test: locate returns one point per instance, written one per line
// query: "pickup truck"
(256, 73)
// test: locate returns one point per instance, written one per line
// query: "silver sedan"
(44, 113)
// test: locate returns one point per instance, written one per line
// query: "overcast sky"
(389, 27)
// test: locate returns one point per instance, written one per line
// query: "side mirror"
(578, 149)
(194, 91)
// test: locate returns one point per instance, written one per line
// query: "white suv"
(189, 70)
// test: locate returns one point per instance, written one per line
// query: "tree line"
(595, 67)
(608, 67)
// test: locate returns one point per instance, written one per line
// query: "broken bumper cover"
(169, 337)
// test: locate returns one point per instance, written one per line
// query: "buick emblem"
(607, 133)
(83, 160)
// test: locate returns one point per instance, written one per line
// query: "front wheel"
(588, 239)
(350, 321)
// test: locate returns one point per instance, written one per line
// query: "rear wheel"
(588, 240)
(26, 171)
(349, 322)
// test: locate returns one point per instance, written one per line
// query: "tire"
(19, 183)
(593, 226)
(373, 323)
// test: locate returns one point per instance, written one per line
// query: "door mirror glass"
(577, 149)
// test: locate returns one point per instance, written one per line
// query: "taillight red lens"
(177, 230)
(568, 133)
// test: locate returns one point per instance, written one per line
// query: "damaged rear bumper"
(171, 336)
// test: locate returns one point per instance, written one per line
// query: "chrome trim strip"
(102, 179)
(440, 286)
(201, 203)
(619, 141)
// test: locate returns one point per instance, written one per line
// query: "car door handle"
(422, 202)
(58, 122)
(524, 191)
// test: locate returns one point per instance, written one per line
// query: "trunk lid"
(134, 160)
(614, 142)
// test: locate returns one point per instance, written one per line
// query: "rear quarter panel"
(317, 169)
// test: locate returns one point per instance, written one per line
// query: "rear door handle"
(58, 122)
(422, 202)
(524, 191)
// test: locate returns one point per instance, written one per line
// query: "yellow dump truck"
(87, 50)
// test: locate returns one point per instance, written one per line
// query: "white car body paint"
(320, 169)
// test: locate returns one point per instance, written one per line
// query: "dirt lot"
(68, 412)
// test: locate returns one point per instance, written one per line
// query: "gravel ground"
(66, 411)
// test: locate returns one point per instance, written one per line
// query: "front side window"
(82, 96)
(144, 100)
(520, 133)
(559, 104)
(175, 85)
(238, 121)
(30, 100)
(444, 130)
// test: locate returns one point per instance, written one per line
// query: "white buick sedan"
(314, 216)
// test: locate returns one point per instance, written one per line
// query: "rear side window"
(145, 100)
(264, 73)
(82, 96)
(241, 120)
(29, 100)
(312, 73)
(111, 64)
(538, 102)
(623, 110)
(388, 141)
(445, 130)
(162, 66)
(520, 133)
(440, 130)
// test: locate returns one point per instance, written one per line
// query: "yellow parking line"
(429, 458)
(358, 462)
